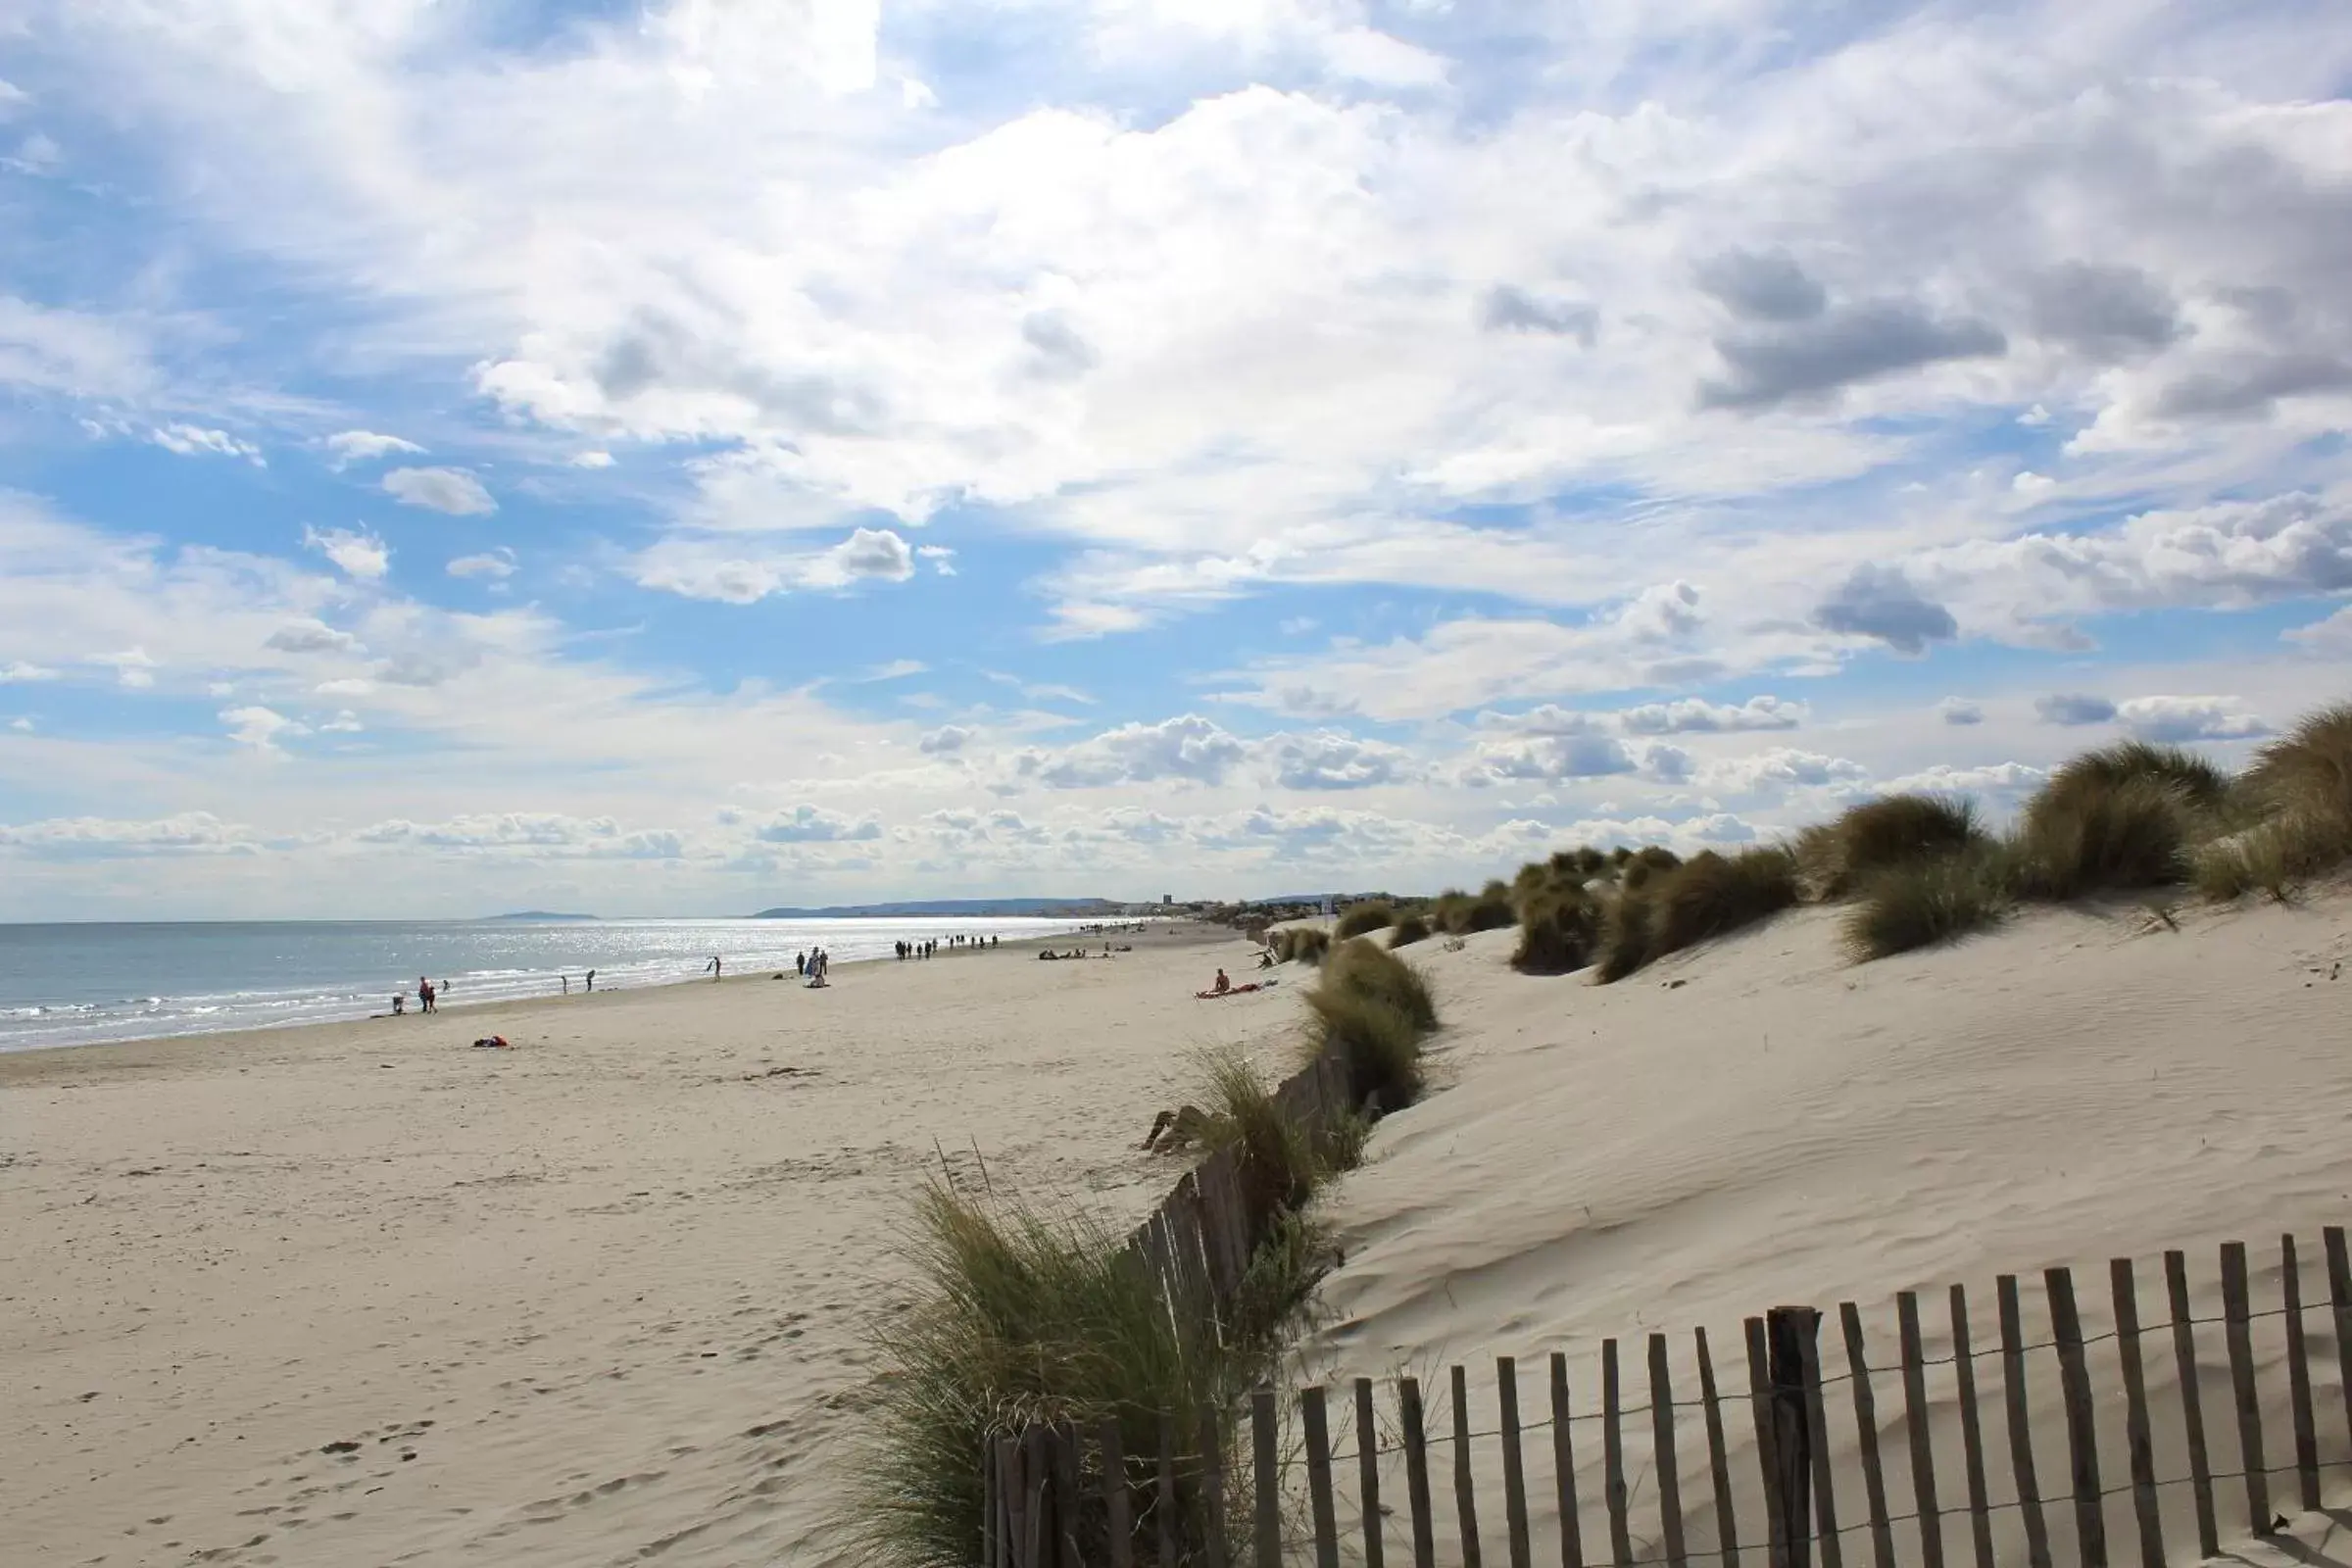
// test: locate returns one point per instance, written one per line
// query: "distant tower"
(1167, 898)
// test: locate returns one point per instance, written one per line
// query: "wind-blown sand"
(620, 1270)
(605, 1288)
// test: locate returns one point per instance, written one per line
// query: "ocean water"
(62, 985)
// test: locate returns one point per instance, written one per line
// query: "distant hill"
(538, 914)
(1048, 909)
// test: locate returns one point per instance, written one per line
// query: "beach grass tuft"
(1640, 865)
(1709, 895)
(1408, 930)
(1833, 858)
(2092, 832)
(1362, 918)
(1308, 944)
(1371, 1009)
(1559, 930)
(1919, 902)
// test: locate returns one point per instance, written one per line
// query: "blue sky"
(690, 456)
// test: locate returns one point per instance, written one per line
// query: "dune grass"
(1372, 1008)
(2103, 835)
(1925, 900)
(1408, 930)
(1706, 896)
(1560, 931)
(1833, 858)
(1307, 945)
(1020, 1315)
(1362, 918)
(1282, 1163)
(1641, 866)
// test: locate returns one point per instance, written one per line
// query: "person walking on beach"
(800, 964)
(713, 966)
(592, 979)
(424, 995)
(567, 985)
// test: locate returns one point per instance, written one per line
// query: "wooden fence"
(1772, 1469)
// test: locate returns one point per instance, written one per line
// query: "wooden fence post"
(1013, 1488)
(1168, 1505)
(2135, 1414)
(1115, 1514)
(990, 1502)
(1067, 1502)
(1668, 1467)
(1866, 1421)
(1972, 1433)
(1564, 1469)
(1367, 1471)
(2298, 1381)
(1416, 1472)
(2192, 1401)
(2020, 1429)
(1514, 1462)
(1915, 1417)
(1824, 1503)
(2082, 1435)
(1788, 1331)
(1612, 1457)
(1719, 1468)
(1268, 1477)
(2239, 1329)
(1213, 1490)
(1465, 1485)
(2339, 1300)
(1777, 1531)
(1315, 1422)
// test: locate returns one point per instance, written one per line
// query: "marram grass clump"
(1921, 902)
(1560, 931)
(1372, 1009)
(1410, 929)
(1833, 858)
(1361, 919)
(1709, 895)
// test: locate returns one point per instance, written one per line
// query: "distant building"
(1167, 898)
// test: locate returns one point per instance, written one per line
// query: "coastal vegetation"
(1360, 920)
(1024, 1313)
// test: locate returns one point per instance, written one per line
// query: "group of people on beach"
(930, 948)
(428, 996)
(812, 965)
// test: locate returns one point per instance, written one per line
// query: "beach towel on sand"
(1237, 990)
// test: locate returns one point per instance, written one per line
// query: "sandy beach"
(596, 1300)
(592, 1300)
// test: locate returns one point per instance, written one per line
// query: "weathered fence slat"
(2192, 1401)
(2238, 1323)
(1668, 1469)
(2021, 1430)
(1213, 1490)
(1612, 1458)
(1266, 1490)
(2136, 1433)
(1166, 1508)
(1465, 1485)
(1719, 1467)
(1563, 1468)
(1013, 1502)
(1915, 1414)
(1807, 1331)
(1416, 1473)
(1116, 1515)
(1037, 1483)
(1972, 1433)
(1514, 1463)
(1065, 1492)
(2082, 1436)
(1760, 1396)
(2298, 1381)
(2339, 1300)
(1313, 1423)
(1865, 1419)
(990, 1479)
(1367, 1471)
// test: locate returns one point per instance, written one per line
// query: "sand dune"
(591, 1301)
(1756, 1122)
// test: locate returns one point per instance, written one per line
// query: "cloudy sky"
(681, 457)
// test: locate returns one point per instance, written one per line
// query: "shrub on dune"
(2091, 833)
(1309, 943)
(2274, 857)
(1407, 931)
(1833, 858)
(2307, 773)
(1281, 1165)
(1491, 911)
(1372, 1008)
(1628, 935)
(1560, 931)
(1365, 967)
(1019, 1316)
(1363, 917)
(2198, 783)
(1646, 863)
(1709, 895)
(1918, 902)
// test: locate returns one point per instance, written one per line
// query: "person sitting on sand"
(400, 1002)
(1223, 985)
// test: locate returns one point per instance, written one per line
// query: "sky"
(692, 456)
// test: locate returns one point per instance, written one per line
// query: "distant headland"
(1048, 909)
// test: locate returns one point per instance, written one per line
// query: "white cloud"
(1960, 710)
(133, 667)
(347, 447)
(357, 553)
(1332, 759)
(2189, 718)
(260, 728)
(450, 490)
(1694, 716)
(945, 741)
(21, 725)
(2073, 709)
(345, 723)
(495, 565)
(311, 637)
(592, 460)
(80, 836)
(941, 556)
(18, 671)
(810, 824)
(190, 440)
(1187, 749)
(707, 568)
(1995, 778)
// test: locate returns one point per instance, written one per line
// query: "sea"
(65, 985)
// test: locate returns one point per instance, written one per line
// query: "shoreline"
(497, 1006)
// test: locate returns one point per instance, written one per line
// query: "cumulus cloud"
(1879, 602)
(1762, 285)
(1828, 353)
(1960, 710)
(1332, 759)
(593, 459)
(704, 569)
(811, 824)
(1507, 308)
(2073, 709)
(93, 837)
(450, 490)
(496, 565)
(2105, 311)
(945, 741)
(17, 671)
(1558, 756)
(1186, 749)
(311, 637)
(2178, 720)
(347, 447)
(1993, 778)
(1782, 769)
(191, 440)
(260, 728)
(357, 553)
(528, 835)
(1692, 715)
